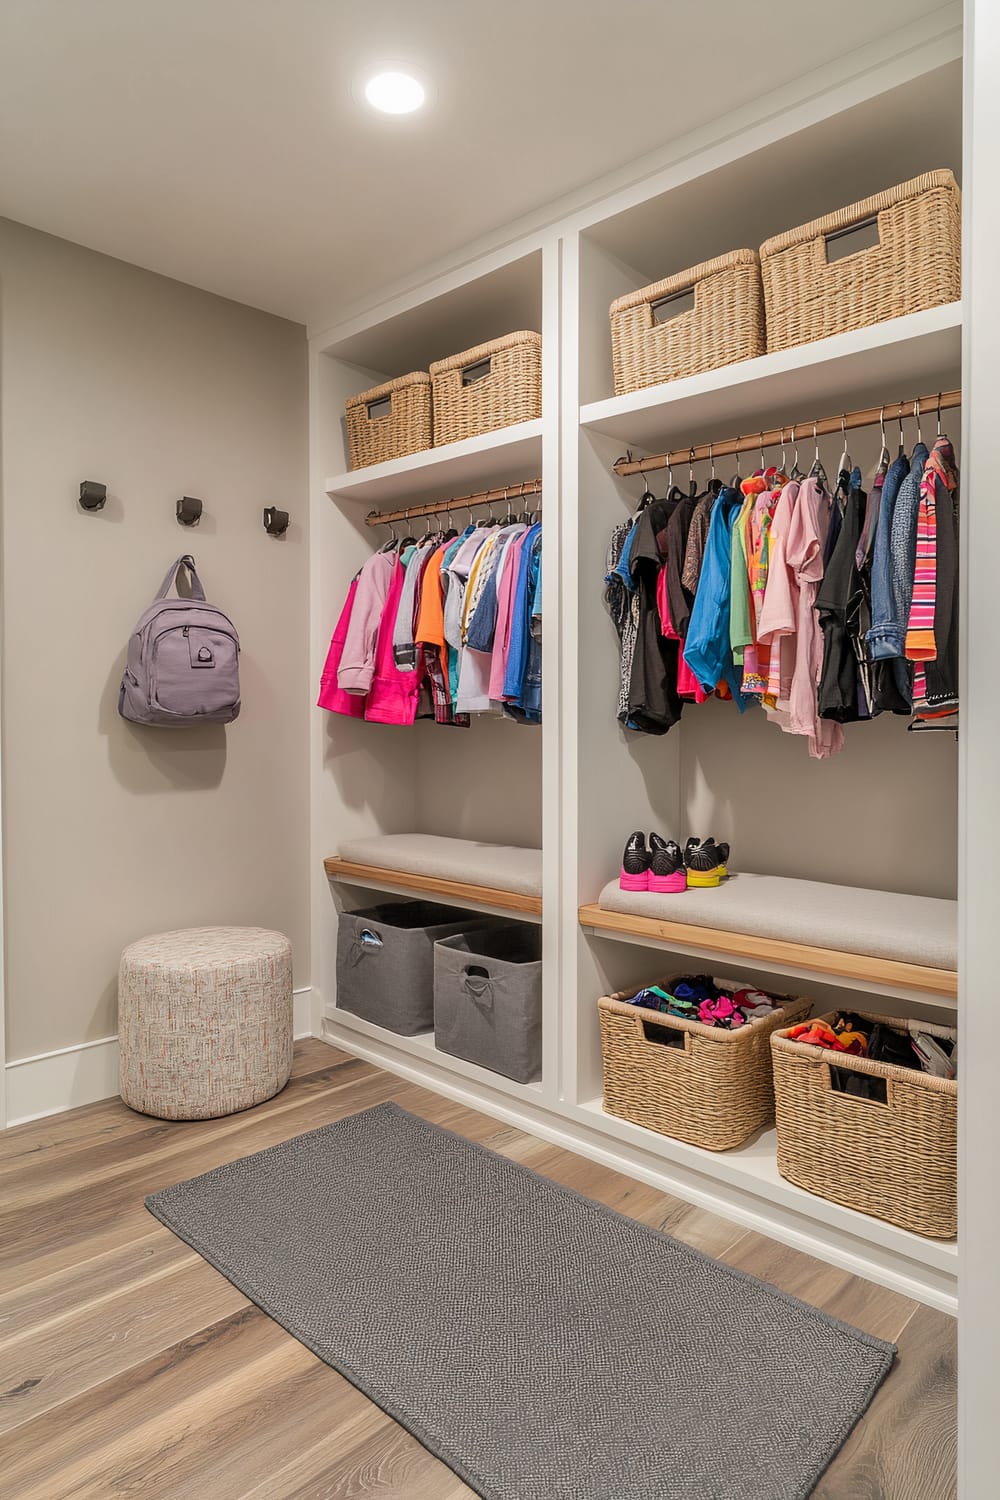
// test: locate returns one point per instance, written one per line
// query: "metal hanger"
(817, 470)
(883, 458)
(796, 472)
(916, 415)
(902, 441)
(939, 414)
(846, 462)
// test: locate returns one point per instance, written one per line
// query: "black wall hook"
(92, 494)
(189, 511)
(275, 521)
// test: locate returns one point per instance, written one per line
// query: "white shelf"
(754, 1169)
(423, 1048)
(494, 458)
(907, 357)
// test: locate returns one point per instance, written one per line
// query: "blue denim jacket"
(881, 584)
(887, 636)
(708, 650)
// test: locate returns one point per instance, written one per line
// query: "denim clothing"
(707, 650)
(881, 582)
(887, 636)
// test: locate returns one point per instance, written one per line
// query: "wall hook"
(275, 521)
(189, 511)
(92, 494)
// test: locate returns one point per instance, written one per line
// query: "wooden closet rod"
(459, 502)
(773, 437)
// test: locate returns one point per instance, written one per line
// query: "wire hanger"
(796, 470)
(817, 470)
(883, 458)
(846, 462)
(939, 414)
(692, 482)
(916, 415)
(902, 439)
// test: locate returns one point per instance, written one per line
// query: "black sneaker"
(635, 865)
(705, 861)
(666, 870)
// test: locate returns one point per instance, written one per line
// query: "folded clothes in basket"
(713, 1002)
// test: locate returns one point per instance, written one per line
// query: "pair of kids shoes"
(658, 868)
(666, 868)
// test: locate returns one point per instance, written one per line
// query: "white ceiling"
(219, 141)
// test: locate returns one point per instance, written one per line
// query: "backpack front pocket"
(195, 670)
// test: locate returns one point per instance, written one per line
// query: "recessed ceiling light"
(394, 93)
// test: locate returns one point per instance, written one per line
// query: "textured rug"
(545, 1347)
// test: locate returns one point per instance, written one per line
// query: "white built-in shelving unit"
(577, 786)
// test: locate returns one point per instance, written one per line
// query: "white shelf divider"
(906, 357)
(493, 458)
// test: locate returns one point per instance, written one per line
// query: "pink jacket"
(331, 696)
(357, 664)
(392, 697)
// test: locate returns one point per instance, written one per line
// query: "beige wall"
(111, 831)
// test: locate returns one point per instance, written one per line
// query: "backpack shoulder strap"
(187, 561)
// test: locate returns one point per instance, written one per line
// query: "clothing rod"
(458, 502)
(773, 437)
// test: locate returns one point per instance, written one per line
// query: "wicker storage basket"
(702, 1084)
(491, 386)
(725, 324)
(390, 420)
(897, 1160)
(915, 264)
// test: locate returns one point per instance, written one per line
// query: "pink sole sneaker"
(627, 882)
(669, 885)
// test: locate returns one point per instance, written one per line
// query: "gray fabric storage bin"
(488, 999)
(385, 960)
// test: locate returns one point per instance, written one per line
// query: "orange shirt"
(430, 616)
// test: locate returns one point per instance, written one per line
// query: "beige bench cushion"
(882, 924)
(497, 865)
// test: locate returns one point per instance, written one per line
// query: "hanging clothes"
(837, 604)
(430, 631)
(932, 632)
(708, 650)
(331, 695)
(824, 608)
(654, 704)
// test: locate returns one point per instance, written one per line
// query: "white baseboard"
(84, 1074)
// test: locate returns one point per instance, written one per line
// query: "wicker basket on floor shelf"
(917, 263)
(701, 1084)
(491, 386)
(896, 1160)
(390, 420)
(725, 324)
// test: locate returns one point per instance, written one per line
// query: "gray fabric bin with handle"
(488, 999)
(385, 960)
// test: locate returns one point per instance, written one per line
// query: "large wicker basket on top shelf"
(701, 1084)
(491, 386)
(897, 1160)
(917, 263)
(390, 420)
(725, 324)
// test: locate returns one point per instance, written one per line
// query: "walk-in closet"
(496, 954)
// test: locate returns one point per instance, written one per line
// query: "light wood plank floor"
(129, 1367)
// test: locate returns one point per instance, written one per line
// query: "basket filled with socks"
(690, 1057)
(867, 1116)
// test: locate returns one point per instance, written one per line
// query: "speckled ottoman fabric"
(204, 1021)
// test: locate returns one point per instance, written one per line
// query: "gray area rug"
(545, 1347)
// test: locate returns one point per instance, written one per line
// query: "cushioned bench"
(455, 869)
(909, 941)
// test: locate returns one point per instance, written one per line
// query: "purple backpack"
(183, 665)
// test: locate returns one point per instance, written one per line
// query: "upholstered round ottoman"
(204, 1021)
